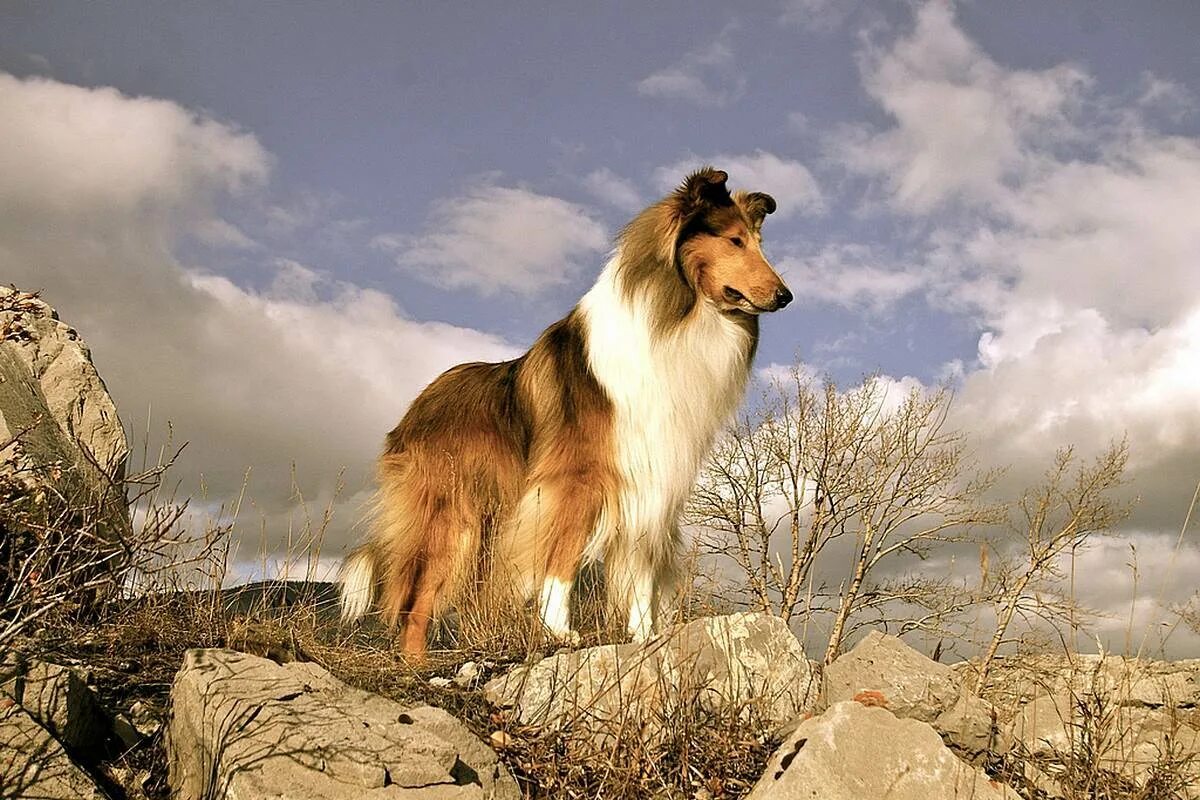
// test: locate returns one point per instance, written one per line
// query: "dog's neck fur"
(671, 390)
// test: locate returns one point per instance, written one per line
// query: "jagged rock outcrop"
(716, 663)
(244, 727)
(854, 752)
(62, 450)
(48, 373)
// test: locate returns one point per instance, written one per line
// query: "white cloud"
(494, 238)
(306, 375)
(788, 181)
(1173, 99)
(609, 187)
(707, 76)
(152, 157)
(963, 124)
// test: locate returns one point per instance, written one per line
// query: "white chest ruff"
(671, 396)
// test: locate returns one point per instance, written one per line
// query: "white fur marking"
(555, 606)
(671, 396)
(358, 586)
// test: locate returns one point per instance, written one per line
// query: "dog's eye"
(737, 241)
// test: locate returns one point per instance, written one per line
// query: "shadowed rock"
(33, 765)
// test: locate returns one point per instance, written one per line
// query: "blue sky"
(275, 223)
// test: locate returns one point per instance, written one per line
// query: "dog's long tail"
(358, 583)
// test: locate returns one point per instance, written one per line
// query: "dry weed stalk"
(1056, 519)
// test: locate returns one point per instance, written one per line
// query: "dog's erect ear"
(705, 186)
(756, 205)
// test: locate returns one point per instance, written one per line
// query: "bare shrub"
(815, 466)
(67, 545)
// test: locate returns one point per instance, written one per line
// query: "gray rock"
(34, 765)
(48, 369)
(852, 752)
(882, 670)
(60, 700)
(467, 675)
(748, 662)
(971, 727)
(244, 727)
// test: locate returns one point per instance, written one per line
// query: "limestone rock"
(244, 727)
(48, 370)
(62, 449)
(33, 764)
(882, 670)
(734, 661)
(853, 752)
(1129, 681)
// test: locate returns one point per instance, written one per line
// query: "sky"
(275, 223)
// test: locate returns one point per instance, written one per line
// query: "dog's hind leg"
(555, 519)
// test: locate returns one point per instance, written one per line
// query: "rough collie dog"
(586, 447)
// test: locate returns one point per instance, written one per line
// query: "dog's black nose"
(782, 297)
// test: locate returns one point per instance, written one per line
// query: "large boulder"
(48, 373)
(749, 663)
(34, 765)
(907, 682)
(853, 752)
(882, 670)
(62, 453)
(244, 727)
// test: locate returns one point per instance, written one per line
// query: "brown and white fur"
(586, 447)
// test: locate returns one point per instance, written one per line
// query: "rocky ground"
(881, 721)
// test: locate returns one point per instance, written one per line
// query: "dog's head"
(719, 245)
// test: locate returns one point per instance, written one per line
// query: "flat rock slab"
(245, 728)
(1131, 740)
(733, 662)
(1127, 681)
(855, 752)
(33, 765)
